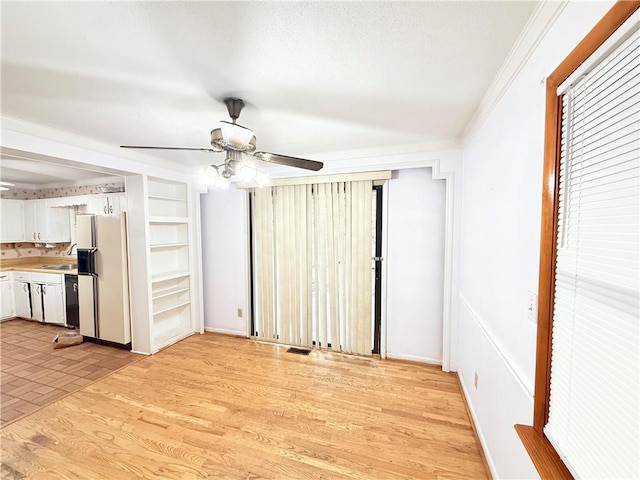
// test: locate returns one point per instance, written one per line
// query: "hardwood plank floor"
(214, 406)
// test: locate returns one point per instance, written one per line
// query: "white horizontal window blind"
(594, 411)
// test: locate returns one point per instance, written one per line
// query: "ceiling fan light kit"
(234, 137)
(218, 176)
(215, 178)
(236, 140)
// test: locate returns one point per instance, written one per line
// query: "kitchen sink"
(60, 267)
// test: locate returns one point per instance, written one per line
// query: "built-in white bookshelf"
(162, 272)
(169, 268)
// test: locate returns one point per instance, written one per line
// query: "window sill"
(543, 455)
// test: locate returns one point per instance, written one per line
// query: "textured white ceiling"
(317, 76)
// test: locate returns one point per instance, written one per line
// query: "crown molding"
(395, 157)
(388, 151)
(541, 20)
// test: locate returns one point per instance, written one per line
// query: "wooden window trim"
(542, 453)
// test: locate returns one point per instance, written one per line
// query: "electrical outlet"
(475, 380)
(532, 307)
(239, 312)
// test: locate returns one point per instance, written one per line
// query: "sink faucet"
(71, 249)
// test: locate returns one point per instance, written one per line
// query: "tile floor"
(33, 374)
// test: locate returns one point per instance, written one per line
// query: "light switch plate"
(532, 307)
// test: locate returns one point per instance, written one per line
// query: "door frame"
(444, 167)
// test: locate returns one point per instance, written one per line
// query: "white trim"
(494, 343)
(383, 293)
(387, 152)
(376, 162)
(447, 281)
(541, 20)
(195, 254)
(307, 180)
(414, 358)
(173, 340)
(248, 287)
(476, 423)
(236, 333)
(370, 160)
(140, 353)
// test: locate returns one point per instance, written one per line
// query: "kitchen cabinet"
(47, 298)
(6, 296)
(12, 218)
(45, 223)
(22, 298)
(109, 204)
(40, 296)
(114, 204)
(37, 308)
(53, 303)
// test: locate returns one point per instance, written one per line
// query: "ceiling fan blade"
(289, 161)
(172, 148)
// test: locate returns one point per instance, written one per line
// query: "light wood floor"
(215, 406)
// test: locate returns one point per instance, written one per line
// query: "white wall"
(500, 248)
(415, 265)
(415, 320)
(224, 260)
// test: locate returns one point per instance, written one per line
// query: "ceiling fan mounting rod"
(234, 107)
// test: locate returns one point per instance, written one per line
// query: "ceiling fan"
(235, 140)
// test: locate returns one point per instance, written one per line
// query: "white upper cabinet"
(46, 224)
(12, 218)
(110, 204)
(48, 220)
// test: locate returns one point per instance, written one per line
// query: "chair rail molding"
(495, 344)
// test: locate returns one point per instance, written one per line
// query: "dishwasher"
(71, 300)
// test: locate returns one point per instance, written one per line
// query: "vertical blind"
(313, 278)
(594, 411)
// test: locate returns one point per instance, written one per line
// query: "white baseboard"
(237, 333)
(474, 419)
(414, 358)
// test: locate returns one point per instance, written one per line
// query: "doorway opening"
(316, 265)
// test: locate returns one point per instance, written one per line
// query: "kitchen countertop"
(34, 264)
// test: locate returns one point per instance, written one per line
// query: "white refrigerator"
(103, 278)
